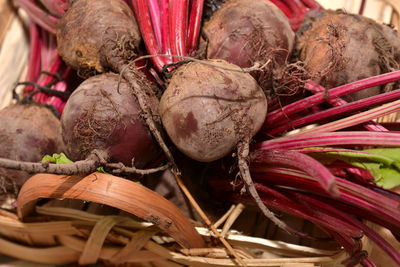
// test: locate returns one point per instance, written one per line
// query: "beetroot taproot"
(338, 48)
(104, 114)
(27, 133)
(248, 32)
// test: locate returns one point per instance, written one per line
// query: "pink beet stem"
(154, 10)
(196, 12)
(338, 110)
(144, 21)
(276, 116)
(166, 47)
(178, 20)
(39, 16)
(316, 88)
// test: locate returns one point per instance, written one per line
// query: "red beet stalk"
(166, 47)
(196, 12)
(338, 110)
(178, 22)
(316, 88)
(146, 28)
(279, 115)
(314, 202)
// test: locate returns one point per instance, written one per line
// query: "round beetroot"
(91, 31)
(103, 114)
(27, 133)
(246, 32)
(207, 110)
(338, 48)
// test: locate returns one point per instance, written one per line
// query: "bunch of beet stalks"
(289, 172)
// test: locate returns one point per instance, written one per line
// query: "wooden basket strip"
(202, 261)
(107, 252)
(265, 244)
(137, 242)
(53, 255)
(43, 228)
(81, 215)
(220, 253)
(91, 252)
(232, 218)
(115, 192)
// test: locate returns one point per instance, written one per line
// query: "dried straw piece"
(113, 191)
(52, 255)
(137, 242)
(224, 217)
(232, 218)
(91, 252)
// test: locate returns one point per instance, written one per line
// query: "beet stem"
(178, 17)
(338, 110)
(39, 16)
(196, 13)
(316, 88)
(275, 117)
(154, 10)
(243, 154)
(166, 47)
(149, 38)
(382, 243)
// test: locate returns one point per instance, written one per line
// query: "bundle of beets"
(205, 72)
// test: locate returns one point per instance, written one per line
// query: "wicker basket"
(64, 231)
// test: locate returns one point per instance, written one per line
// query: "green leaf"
(101, 170)
(382, 163)
(57, 159)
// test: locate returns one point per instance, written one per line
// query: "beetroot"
(246, 32)
(93, 30)
(103, 114)
(27, 133)
(338, 48)
(107, 30)
(210, 108)
(206, 118)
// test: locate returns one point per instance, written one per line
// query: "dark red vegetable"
(248, 32)
(27, 133)
(339, 48)
(104, 114)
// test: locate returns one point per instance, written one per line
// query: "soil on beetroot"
(259, 34)
(92, 30)
(104, 114)
(338, 48)
(27, 133)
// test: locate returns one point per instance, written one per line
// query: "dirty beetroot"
(103, 114)
(259, 34)
(206, 118)
(338, 48)
(27, 133)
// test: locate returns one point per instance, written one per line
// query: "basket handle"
(115, 192)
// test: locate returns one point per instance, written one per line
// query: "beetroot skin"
(338, 48)
(93, 32)
(103, 113)
(207, 110)
(27, 133)
(246, 32)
